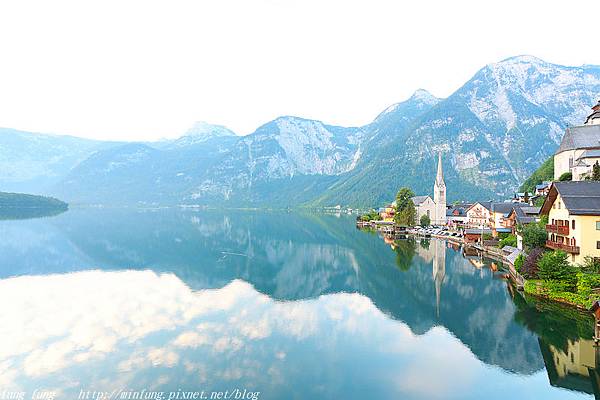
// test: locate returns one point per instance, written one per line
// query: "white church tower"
(439, 195)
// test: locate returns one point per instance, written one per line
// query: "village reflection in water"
(572, 361)
(177, 299)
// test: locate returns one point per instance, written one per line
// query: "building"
(542, 189)
(424, 205)
(573, 210)
(476, 234)
(521, 214)
(456, 216)
(498, 213)
(439, 194)
(580, 148)
(434, 208)
(387, 213)
(478, 215)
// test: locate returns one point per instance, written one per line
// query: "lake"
(126, 303)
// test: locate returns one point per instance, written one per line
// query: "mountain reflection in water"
(290, 305)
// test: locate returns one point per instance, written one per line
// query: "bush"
(534, 235)
(425, 220)
(587, 282)
(530, 265)
(567, 176)
(590, 265)
(371, 216)
(519, 263)
(554, 266)
(509, 240)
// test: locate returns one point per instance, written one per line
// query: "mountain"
(34, 162)
(544, 173)
(200, 132)
(493, 132)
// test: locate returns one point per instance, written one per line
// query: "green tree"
(519, 262)
(534, 235)
(539, 201)
(405, 209)
(407, 216)
(526, 197)
(425, 220)
(403, 198)
(510, 240)
(596, 172)
(555, 266)
(567, 176)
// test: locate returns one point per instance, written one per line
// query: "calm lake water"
(288, 305)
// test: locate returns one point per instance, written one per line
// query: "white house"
(580, 148)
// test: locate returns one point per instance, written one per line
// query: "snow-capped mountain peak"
(425, 97)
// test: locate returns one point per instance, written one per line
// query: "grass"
(554, 291)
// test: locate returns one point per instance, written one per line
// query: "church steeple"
(439, 194)
(439, 179)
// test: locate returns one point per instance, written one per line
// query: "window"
(573, 224)
(598, 245)
(598, 225)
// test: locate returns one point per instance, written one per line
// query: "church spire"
(439, 179)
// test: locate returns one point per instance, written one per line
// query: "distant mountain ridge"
(493, 132)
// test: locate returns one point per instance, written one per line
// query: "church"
(434, 208)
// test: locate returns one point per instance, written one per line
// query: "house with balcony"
(478, 215)
(498, 214)
(573, 210)
(521, 214)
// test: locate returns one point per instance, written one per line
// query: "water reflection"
(175, 299)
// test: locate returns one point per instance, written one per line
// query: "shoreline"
(521, 284)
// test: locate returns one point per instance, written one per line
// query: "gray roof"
(477, 231)
(503, 208)
(590, 154)
(485, 204)
(580, 197)
(461, 212)
(542, 185)
(418, 199)
(525, 213)
(512, 257)
(580, 137)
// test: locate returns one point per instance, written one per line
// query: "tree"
(567, 176)
(425, 220)
(526, 197)
(555, 266)
(519, 261)
(590, 265)
(534, 235)
(596, 172)
(405, 208)
(530, 265)
(403, 198)
(539, 201)
(406, 217)
(510, 240)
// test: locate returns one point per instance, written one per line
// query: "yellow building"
(573, 210)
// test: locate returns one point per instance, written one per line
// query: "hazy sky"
(149, 69)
